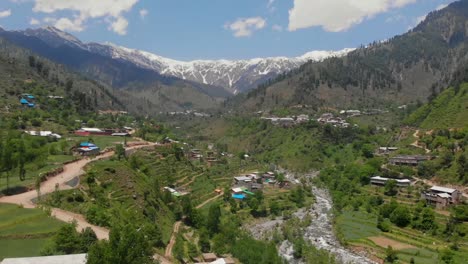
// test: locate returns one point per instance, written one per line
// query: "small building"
(386, 150)
(242, 179)
(408, 160)
(88, 149)
(68, 259)
(24, 101)
(442, 197)
(209, 257)
(43, 134)
(377, 180)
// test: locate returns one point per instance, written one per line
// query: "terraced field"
(24, 232)
(358, 228)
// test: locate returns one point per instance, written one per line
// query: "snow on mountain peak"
(232, 75)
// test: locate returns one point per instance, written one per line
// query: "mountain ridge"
(406, 69)
(235, 76)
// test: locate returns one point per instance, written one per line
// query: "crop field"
(24, 232)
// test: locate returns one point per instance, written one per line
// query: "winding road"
(70, 171)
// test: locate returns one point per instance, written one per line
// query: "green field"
(24, 232)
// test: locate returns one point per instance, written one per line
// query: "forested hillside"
(405, 69)
(448, 110)
(155, 92)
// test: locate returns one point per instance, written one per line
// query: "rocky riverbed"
(319, 232)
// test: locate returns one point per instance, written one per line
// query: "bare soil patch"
(384, 242)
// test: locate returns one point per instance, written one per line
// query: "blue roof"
(31, 105)
(87, 144)
(238, 196)
(30, 96)
(24, 101)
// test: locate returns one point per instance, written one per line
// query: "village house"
(329, 118)
(43, 134)
(380, 181)
(409, 160)
(386, 150)
(88, 149)
(68, 259)
(441, 197)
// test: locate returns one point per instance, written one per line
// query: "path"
(70, 171)
(209, 200)
(175, 230)
(416, 143)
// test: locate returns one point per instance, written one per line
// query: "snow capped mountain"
(232, 75)
(235, 75)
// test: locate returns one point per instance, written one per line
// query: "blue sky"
(229, 29)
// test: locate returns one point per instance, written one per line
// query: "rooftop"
(68, 259)
(442, 189)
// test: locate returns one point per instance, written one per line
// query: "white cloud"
(277, 28)
(270, 6)
(244, 27)
(143, 13)
(338, 15)
(119, 26)
(420, 19)
(67, 24)
(5, 13)
(34, 22)
(442, 6)
(111, 10)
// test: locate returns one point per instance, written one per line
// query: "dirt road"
(70, 171)
(172, 241)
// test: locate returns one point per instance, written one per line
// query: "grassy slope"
(448, 110)
(23, 232)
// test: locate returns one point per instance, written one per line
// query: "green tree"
(204, 241)
(127, 245)
(214, 219)
(390, 188)
(401, 216)
(120, 151)
(390, 255)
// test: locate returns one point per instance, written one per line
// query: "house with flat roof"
(442, 197)
(62, 259)
(408, 160)
(377, 180)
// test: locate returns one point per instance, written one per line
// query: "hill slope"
(448, 110)
(404, 69)
(147, 85)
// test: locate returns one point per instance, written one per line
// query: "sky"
(222, 29)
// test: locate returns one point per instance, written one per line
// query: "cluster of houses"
(188, 113)
(88, 149)
(87, 131)
(248, 184)
(28, 100)
(287, 121)
(43, 134)
(329, 118)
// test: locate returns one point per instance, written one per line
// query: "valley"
(111, 154)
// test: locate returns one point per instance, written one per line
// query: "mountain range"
(232, 76)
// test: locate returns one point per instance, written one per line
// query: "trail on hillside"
(175, 230)
(417, 143)
(209, 200)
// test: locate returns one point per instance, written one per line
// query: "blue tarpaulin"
(238, 196)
